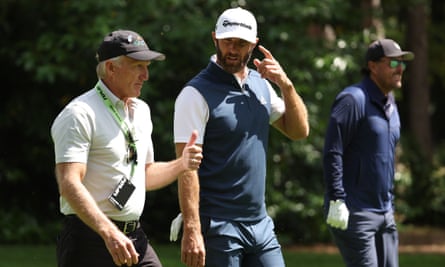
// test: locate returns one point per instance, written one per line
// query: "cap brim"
(146, 55)
(407, 56)
(239, 35)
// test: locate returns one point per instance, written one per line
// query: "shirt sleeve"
(277, 104)
(341, 129)
(150, 157)
(71, 135)
(191, 113)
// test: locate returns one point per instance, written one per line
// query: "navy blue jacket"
(359, 150)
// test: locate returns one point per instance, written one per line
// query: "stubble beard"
(232, 67)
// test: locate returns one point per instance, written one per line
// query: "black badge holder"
(121, 193)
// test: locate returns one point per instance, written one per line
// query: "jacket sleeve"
(343, 124)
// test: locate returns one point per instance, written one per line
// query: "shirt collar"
(240, 82)
(375, 93)
(117, 102)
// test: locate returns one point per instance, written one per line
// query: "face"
(233, 53)
(126, 76)
(387, 73)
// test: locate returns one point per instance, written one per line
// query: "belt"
(127, 227)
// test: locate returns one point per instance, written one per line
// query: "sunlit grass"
(44, 256)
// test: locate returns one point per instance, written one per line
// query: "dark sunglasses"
(132, 154)
(394, 63)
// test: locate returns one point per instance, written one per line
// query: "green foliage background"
(47, 51)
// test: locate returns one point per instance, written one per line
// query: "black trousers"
(78, 246)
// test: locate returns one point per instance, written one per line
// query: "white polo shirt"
(85, 131)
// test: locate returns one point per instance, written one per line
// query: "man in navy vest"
(359, 153)
(232, 107)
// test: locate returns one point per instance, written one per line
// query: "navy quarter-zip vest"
(233, 172)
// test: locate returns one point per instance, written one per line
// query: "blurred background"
(47, 53)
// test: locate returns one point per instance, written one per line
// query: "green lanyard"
(132, 151)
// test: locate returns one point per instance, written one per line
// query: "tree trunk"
(420, 148)
(417, 80)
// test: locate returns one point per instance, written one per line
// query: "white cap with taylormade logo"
(236, 23)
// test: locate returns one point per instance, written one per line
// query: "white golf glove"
(338, 214)
(175, 227)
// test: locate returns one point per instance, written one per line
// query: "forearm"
(74, 192)
(88, 211)
(188, 186)
(188, 191)
(294, 122)
(161, 174)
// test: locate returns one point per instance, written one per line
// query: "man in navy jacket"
(359, 154)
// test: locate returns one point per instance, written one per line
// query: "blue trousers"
(241, 244)
(371, 240)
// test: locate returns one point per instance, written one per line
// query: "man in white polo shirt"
(105, 162)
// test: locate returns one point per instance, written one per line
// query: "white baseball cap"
(236, 23)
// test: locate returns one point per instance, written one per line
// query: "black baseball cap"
(126, 43)
(386, 48)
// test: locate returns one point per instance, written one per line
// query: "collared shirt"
(359, 151)
(86, 132)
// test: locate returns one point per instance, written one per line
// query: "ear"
(110, 66)
(372, 66)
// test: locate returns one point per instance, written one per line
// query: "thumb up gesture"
(192, 153)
